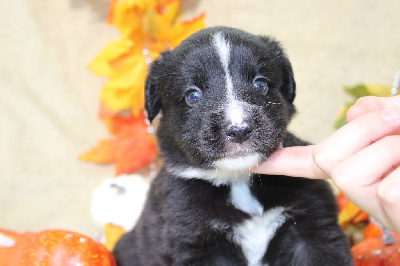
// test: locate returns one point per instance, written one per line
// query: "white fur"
(215, 176)
(243, 199)
(235, 113)
(255, 234)
(234, 110)
(223, 50)
(238, 163)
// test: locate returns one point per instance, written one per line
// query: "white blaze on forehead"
(234, 109)
(223, 49)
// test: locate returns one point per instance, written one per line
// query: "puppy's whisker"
(273, 103)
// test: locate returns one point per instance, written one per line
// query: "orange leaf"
(134, 147)
(131, 148)
(101, 153)
(341, 201)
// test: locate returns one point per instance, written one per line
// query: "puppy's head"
(226, 99)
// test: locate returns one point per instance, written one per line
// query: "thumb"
(292, 161)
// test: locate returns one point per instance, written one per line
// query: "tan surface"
(48, 98)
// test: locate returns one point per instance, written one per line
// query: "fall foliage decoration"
(146, 28)
(112, 233)
(357, 92)
(348, 212)
(51, 247)
(351, 219)
(131, 148)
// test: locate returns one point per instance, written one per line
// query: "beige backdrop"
(48, 98)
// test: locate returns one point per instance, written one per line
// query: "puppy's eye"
(260, 84)
(193, 96)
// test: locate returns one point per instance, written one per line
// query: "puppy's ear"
(288, 87)
(153, 82)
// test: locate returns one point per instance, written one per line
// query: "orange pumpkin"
(372, 251)
(53, 247)
(379, 250)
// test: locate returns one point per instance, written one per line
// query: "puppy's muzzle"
(238, 133)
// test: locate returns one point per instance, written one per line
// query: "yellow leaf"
(116, 99)
(112, 234)
(348, 213)
(158, 23)
(378, 90)
(129, 71)
(125, 88)
(102, 63)
(102, 153)
(165, 27)
(184, 29)
(126, 15)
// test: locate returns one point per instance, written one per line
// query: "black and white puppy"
(226, 100)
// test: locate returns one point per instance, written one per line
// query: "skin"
(362, 158)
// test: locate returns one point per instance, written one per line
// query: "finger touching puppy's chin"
(244, 162)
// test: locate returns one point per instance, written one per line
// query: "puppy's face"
(226, 99)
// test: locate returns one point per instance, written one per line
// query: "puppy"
(226, 98)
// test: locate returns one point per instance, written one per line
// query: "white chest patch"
(254, 234)
(243, 200)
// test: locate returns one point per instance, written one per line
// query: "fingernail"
(391, 115)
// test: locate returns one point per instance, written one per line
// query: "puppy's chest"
(254, 234)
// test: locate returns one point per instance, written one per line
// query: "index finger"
(371, 103)
(292, 161)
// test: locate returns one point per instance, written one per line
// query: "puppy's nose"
(238, 133)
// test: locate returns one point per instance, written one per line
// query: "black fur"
(191, 221)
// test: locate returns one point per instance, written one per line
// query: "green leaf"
(357, 91)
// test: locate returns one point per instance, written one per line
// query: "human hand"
(362, 158)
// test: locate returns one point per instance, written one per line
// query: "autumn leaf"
(357, 92)
(131, 148)
(348, 212)
(165, 27)
(103, 152)
(125, 15)
(125, 88)
(125, 61)
(112, 234)
(105, 62)
(146, 28)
